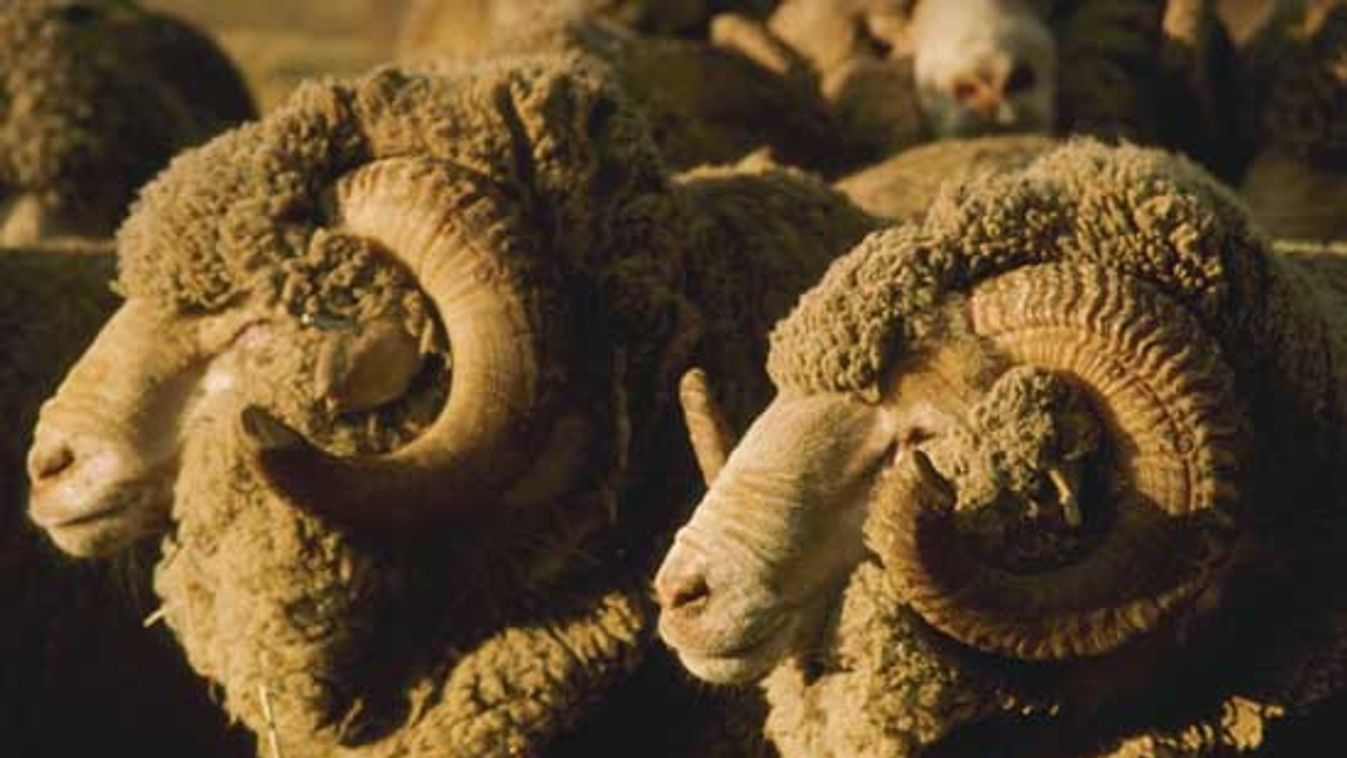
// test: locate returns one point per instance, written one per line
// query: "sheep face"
(1067, 421)
(753, 575)
(748, 579)
(985, 66)
(106, 450)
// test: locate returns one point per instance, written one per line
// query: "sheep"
(1297, 68)
(706, 105)
(475, 290)
(468, 28)
(53, 299)
(1054, 469)
(899, 72)
(95, 97)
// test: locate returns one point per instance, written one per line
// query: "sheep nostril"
(685, 593)
(47, 462)
(964, 90)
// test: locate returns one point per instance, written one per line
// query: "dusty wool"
(95, 97)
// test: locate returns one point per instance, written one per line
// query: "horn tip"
(267, 433)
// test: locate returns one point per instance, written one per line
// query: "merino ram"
(394, 376)
(1055, 470)
(898, 72)
(95, 97)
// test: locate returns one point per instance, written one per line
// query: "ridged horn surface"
(707, 429)
(1163, 486)
(454, 235)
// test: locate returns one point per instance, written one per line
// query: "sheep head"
(1029, 424)
(77, 82)
(1084, 435)
(274, 311)
(984, 67)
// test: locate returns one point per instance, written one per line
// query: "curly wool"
(538, 129)
(95, 97)
(1142, 211)
(890, 685)
(305, 633)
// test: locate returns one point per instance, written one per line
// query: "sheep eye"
(1021, 78)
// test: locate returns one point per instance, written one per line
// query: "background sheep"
(490, 275)
(95, 96)
(705, 105)
(897, 71)
(1052, 471)
(1297, 71)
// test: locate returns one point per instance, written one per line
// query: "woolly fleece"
(96, 96)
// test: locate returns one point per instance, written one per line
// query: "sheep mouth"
(64, 520)
(745, 659)
(88, 524)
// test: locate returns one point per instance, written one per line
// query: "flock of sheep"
(958, 377)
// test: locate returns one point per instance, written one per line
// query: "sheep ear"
(707, 428)
(364, 369)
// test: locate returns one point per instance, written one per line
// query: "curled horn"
(1164, 483)
(454, 235)
(707, 429)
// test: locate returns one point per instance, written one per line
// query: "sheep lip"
(65, 520)
(737, 661)
(741, 665)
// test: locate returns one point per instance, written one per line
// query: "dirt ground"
(278, 43)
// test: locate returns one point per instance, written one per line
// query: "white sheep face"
(752, 575)
(755, 574)
(984, 66)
